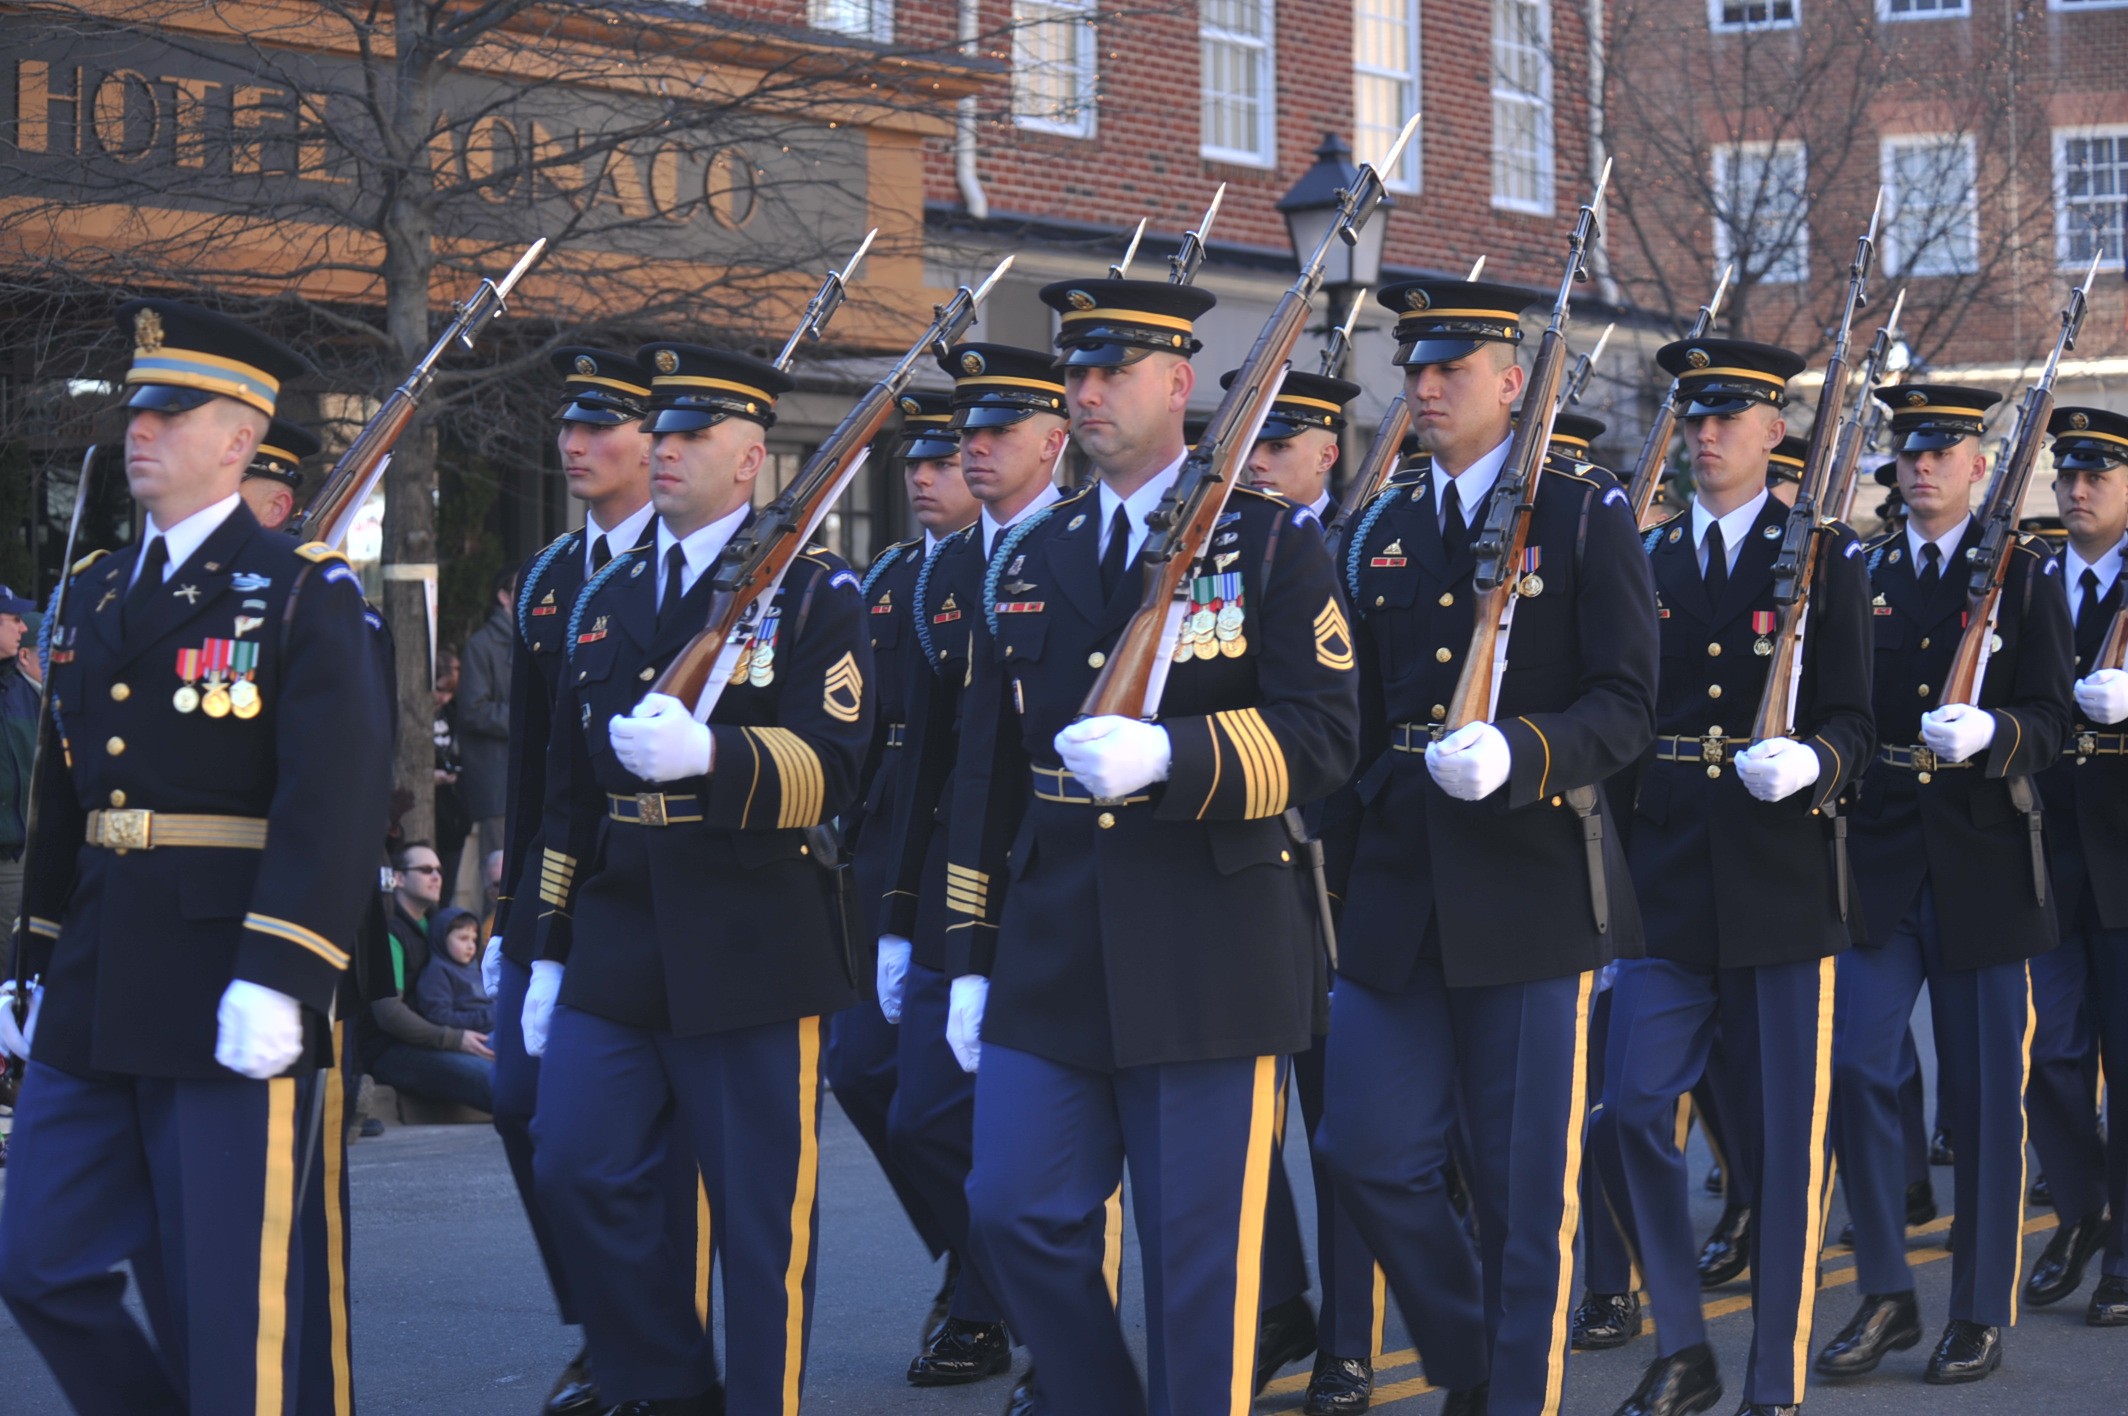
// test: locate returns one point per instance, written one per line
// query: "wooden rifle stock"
(1382, 457)
(2113, 649)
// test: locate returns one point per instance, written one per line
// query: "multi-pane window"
(861, 19)
(2091, 177)
(1522, 105)
(2085, 5)
(1752, 14)
(1762, 211)
(1917, 9)
(1932, 212)
(1240, 100)
(1385, 83)
(1053, 65)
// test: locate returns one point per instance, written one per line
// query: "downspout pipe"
(965, 174)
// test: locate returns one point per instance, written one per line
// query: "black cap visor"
(1717, 404)
(1931, 440)
(1417, 353)
(930, 445)
(286, 476)
(992, 415)
(598, 410)
(683, 420)
(2089, 457)
(166, 398)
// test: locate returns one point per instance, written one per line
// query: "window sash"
(2091, 185)
(1054, 66)
(1385, 83)
(860, 19)
(1736, 16)
(1238, 107)
(1523, 154)
(1933, 225)
(1923, 9)
(1746, 187)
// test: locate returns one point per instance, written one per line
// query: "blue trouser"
(1051, 1143)
(1355, 1290)
(1512, 1059)
(1606, 1257)
(1913, 1124)
(516, 1094)
(1776, 1025)
(2080, 996)
(439, 1075)
(861, 1067)
(1982, 1017)
(931, 1131)
(1285, 1263)
(106, 1168)
(327, 1384)
(612, 1101)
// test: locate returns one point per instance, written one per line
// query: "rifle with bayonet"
(825, 302)
(1577, 382)
(1182, 266)
(1180, 528)
(750, 570)
(1990, 559)
(332, 511)
(1655, 449)
(1340, 342)
(1859, 429)
(1130, 253)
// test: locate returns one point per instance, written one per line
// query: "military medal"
(1230, 622)
(762, 671)
(1202, 624)
(746, 660)
(186, 699)
(1234, 648)
(1762, 625)
(215, 701)
(243, 692)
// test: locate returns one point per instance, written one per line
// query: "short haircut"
(405, 853)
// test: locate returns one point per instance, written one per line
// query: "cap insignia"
(911, 407)
(148, 331)
(1915, 398)
(585, 364)
(972, 363)
(1697, 358)
(1417, 300)
(1078, 299)
(667, 362)
(2079, 422)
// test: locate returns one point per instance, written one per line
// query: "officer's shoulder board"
(88, 560)
(1652, 537)
(1008, 545)
(318, 553)
(883, 561)
(336, 565)
(528, 582)
(634, 557)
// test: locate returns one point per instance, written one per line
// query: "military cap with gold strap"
(1927, 417)
(2088, 439)
(1304, 401)
(998, 384)
(279, 455)
(1112, 322)
(926, 427)
(184, 355)
(600, 386)
(693, 386)
(1721, 376)
(1441, 321)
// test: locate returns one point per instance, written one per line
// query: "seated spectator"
(449, 990)
(400, 1048)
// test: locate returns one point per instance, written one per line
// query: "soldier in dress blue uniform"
(1479, 909)
(690, 943)
(2080, 991)
(1131, 986)
(605, 456)
(1953, 893)
(275, 477)
(202, 863)
(1735, 860)
(863, 1043)
(1007, 413)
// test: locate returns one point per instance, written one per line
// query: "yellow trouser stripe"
(1570, 1199)
(335, 1162)
(1381, 1312)
(1817, 1202)
(1685, 1107)
(703, 1250)
(1112, 1246)
(1248, 1247)
(2024, 1139)
(276, 1223)
(802, 1200)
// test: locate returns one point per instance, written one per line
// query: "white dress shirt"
(1473, 485)
(619, 538)
(1946, 546)
(1136, 506)
(699, 550)
(184, 538)
(994, 528)
(2107, 568)
(1736, 525)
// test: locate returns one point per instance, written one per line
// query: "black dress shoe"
(941, 1301)
(1340, 1386)
(1677, 1385)
(1285, 1333)
(574, 1394)
(1886, 1322)
(1920, 1203)
(1468, 1402)
(2041, 1192)
(1606, 1320)
(1940, 1150)
(1965, 1353)
(709, 1403)
(1022, 1401)
(961, 1352)
(2060, 1269)
(2109, 1303)
(1727, 1252)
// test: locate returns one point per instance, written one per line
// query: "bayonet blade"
(1891, 321)
(2098, 254)
(849, 267)
(1211, 214)
(1603, 185)
(1122, 268)
(1601, 340)
(1721, 292)
(1396, 149)
(1352, 319)
(1477, 268)
(525, 262)
(1876, 214)
(976, 297)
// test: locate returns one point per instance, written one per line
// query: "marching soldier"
(1007, 408)
(1477, 916)
(1129, 993)
(2080, 991)
(1951, 894)
(1297, 450)
(275, 476)
(690, 943)
(1747, 948)
(863, 1044)
(605, 456)
(204, 857)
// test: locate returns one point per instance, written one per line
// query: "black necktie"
(1116, 557)
(600, 554)
(147, 582)
(675, 569)
(1931, 567)
(1716, 575)
(1455, 531)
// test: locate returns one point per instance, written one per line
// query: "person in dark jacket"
(484, 715)
(18, 744)
(449, 990)
(400, 1048)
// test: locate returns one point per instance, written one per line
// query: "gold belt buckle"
(2086, 745)
(650, 807)
(1924, 758)
(127, 830)
(1711, 749)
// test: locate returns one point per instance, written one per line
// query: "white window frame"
(1266, 50)
(1084, 66)
(1724, 232)
(1718, 25)
(1899, 262)
(1409, 176)
(822, 15)
(1542, 101)
(1963, 11)
(2076, 6)
(2064, 230)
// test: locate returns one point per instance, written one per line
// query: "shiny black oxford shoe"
(961, 1352)
(574, 1393)
(1022, 1401)
(1727, 1252)
(2109, 1303)
(1965, 1353)
(1606, 1320)
(1886, 1322)
(1340, 1386)
(1285, 1334)
(1677, 1385)
(2059, 1270)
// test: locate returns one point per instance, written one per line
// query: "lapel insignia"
(1333, 638)
(1076, 522)
(947, 612)
(1895, 555)
(247, 623)
(1771, 533)
(1676, 534)
(594, 634)
(188, 593)
(249, 580)
(212, 566)
(1225, 559)
(108, 597)
(638, 569)
(843, 697)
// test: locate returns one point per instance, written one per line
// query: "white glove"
(893, 973)
(491, 966)
(2103, 697)
(546, 986)
(1957, 731)
(1776, 768)
(964, 1019)
(1114, 756)
(261, 1030)
(661, 741)
(14, 1041)
(1470, 763)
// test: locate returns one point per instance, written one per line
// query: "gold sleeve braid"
(557, 876)
(1265, 785)
(801, 786)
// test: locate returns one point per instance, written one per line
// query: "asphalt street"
(452, 1313)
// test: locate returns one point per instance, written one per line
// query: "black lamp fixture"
(1311, 205)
